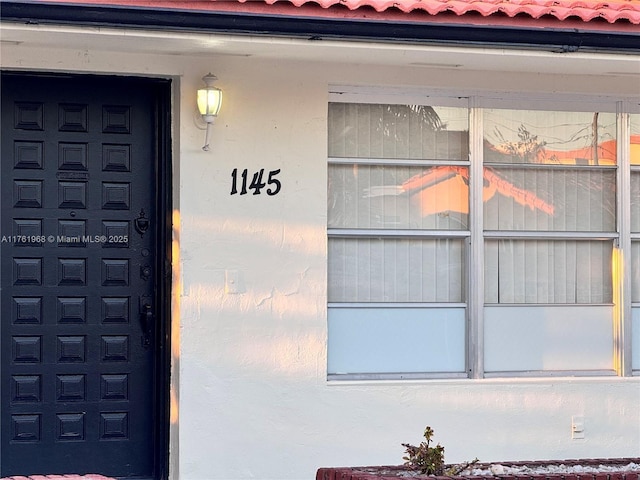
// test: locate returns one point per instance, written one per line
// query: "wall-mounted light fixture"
(209, 103)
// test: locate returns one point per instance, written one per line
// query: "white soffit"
(363, 53)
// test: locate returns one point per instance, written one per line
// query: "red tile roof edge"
(587, 10)
(536, 14)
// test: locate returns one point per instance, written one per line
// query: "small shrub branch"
(429, 460)
(425, 458)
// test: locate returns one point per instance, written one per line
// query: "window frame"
(475, 102)
(406, 233)
(623, 326)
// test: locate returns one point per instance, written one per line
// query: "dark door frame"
(163, 272)
(164, 209)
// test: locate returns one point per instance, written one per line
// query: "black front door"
(81, 258)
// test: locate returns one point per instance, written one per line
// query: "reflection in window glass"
(398, 132)
(549, 171)
(635, 139)
(635, 173)
(395, 197)
(549, 199)
(550, 138)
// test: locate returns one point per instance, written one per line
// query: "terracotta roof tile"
(611, 10)
(614, 15)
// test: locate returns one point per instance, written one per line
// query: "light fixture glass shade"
(209, 101)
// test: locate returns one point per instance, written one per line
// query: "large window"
(398, 220)
(634, 154)
(403, 220)
(549, 227)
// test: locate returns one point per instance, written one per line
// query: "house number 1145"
(257, 182)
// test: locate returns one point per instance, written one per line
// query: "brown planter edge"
(394, 472)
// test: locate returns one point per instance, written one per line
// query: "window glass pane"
(551, 138)
(398, 131)
(635, 271)
(397, 197)
(548, 271)
(520, 338)
(635, 339)
(549, 199)
(635, 201)
(635, 139)
(414, 340)
(395, 270)
(635, 173)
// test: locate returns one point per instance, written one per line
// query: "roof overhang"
(308, 23)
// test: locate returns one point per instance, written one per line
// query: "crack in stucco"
(301, 278)
(267, 298)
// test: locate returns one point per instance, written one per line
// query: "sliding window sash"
(475, 297)
(622, 251)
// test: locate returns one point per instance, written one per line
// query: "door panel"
(79, 269)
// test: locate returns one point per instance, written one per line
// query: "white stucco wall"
(253, 397)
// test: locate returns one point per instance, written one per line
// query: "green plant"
(429, 460)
